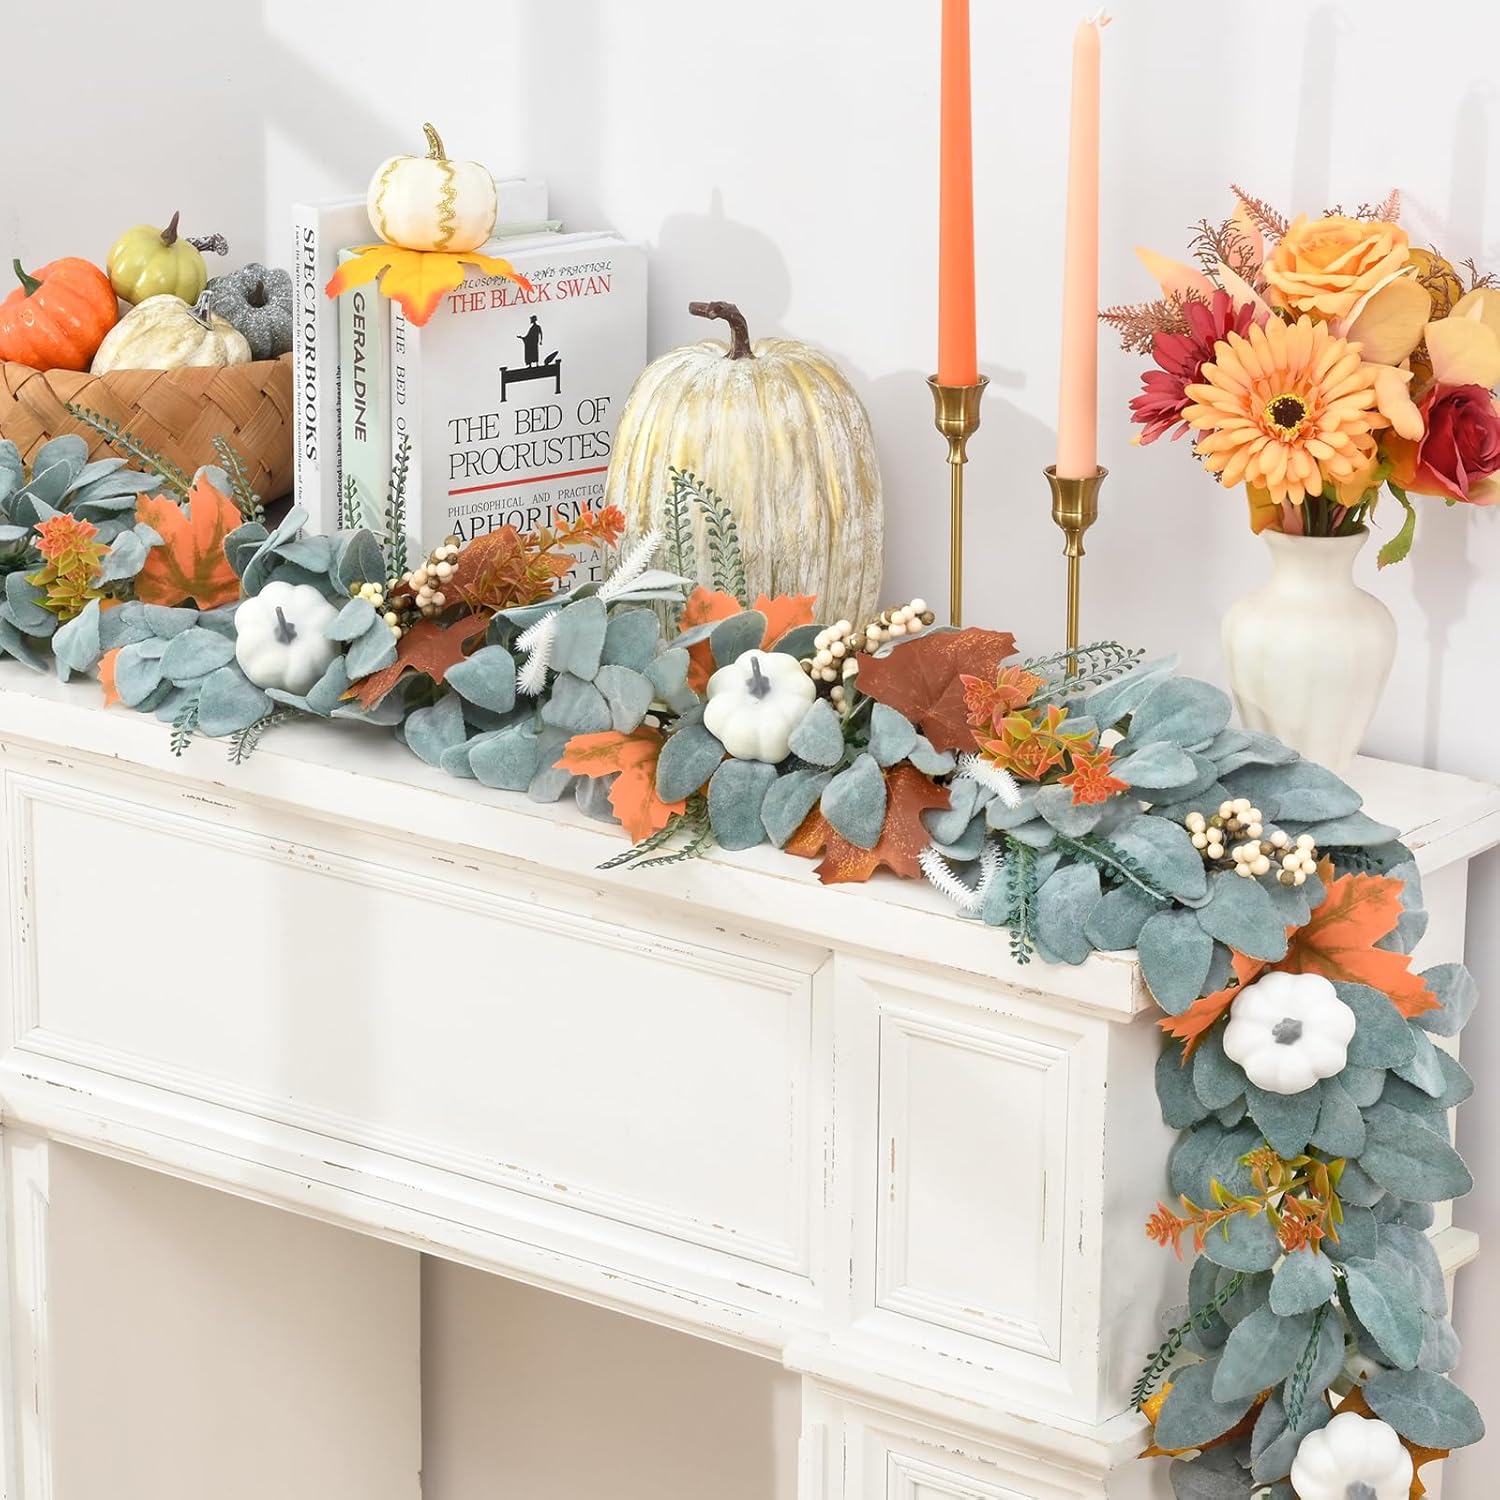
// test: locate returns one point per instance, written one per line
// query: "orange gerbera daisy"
(1287, 408)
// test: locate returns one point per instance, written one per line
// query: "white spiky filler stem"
(940, 874)
(631, 566)
(540, 637)
(536, 641)
(974, 767)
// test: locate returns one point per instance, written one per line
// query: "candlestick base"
(955, 412)
(1075, 507)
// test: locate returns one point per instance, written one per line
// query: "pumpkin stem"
(206, 242)
(739, 330)
(435, 150)
(29, 284)
(286, 632)
(759, 684)
(169, 234)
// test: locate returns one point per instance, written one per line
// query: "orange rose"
(1324, 266)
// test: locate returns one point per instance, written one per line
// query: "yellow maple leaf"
(417, 279)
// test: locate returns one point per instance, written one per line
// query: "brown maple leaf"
(190, 564)
(507, 568)
(498, 571)
(633, 795)
(427, 647)
(923, 679)
(1338, 942)
(903, 836)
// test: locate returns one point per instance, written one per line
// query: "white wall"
(782, 153)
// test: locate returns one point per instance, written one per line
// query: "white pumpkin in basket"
(164, 333)
(431, 202)
(776, 429)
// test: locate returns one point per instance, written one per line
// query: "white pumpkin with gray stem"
(755, 704)
(1289, 1030)
(1352, 1458)
(280, 636)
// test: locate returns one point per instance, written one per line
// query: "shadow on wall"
(1444, 576)
(726, 256)
(1311, 168)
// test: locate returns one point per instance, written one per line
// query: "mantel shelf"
(352, 774)
(719, 1096)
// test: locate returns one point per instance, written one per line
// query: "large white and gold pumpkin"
(775, 428)
(431, 202)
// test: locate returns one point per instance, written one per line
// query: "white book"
(320, 231)
(364, 401)
(509, 399)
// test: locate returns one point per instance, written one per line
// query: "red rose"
(1461, 446)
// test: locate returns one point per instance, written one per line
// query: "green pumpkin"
(151, 262)
(258, 302)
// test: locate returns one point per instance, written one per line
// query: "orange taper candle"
(1078, 394)
(957, 360)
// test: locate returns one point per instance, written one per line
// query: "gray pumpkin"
(258, 302)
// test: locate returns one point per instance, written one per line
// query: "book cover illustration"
(510, 397)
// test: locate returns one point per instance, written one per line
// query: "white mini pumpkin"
(280, 640)
(756, 702)
(164, 333)
(1352, 1458)
(1289, 1030)
(431, 202)
(777, 430)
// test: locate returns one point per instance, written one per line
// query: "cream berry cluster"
(1236, 838)
(374, 594)
(426, 582)
(836, 647)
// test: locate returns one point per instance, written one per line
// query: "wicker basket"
(177, 413)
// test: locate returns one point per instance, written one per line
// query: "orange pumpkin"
(57, 319)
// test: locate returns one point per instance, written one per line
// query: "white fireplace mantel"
(838, 1126)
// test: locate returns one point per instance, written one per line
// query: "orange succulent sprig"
(1298, 1195)
(72, 557)
(1035, 743)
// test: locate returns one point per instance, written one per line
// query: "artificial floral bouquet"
(1320, 363)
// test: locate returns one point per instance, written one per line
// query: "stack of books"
(502, 406)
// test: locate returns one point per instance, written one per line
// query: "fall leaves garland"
(1048, 796)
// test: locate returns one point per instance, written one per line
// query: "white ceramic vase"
(1310, 651)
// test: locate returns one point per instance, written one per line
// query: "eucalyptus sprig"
(127, 443)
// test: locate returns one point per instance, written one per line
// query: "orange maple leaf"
(427, 647)
(417, 279)
(702, 606)
(1338, 942)
(190, 564)
(903, 836)
(1420, 1456)
(107, 664)
(634, 756)
(783, 613)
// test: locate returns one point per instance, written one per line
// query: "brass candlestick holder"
(955, 411)
(1075, 507)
